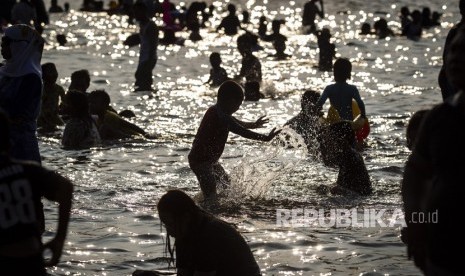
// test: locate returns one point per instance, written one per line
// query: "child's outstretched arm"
(236, 128)
(260, 122)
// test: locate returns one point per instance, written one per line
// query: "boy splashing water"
(213, 133)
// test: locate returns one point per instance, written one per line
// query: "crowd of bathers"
(32, 102)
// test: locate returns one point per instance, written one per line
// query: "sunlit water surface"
(114, 227)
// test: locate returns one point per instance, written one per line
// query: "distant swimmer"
(231, 22)
(81, 130)
(212, 135)
(311, 10)
(148, 39)
(326, 48)
(218, 74)
(52, 94)
(251, 67)
(111, 125)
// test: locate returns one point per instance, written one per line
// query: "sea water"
(114, 227)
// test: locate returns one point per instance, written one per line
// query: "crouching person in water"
(338, 148)
(213, 133)
(204, 244)
(22, 184)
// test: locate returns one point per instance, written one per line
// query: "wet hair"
(381, 25)
(76, 76)
(366, 28)
(102, 95)
(61, 39)
(342, 69)
(4, 131)
(426, 11)
(177, 203)
(80, 74)
(404, 10)
(309, 97)
(229, 91)
(436, 15)
(231, 8)
(215, 59)
(416, 16)
(49, 69)
(413, 126)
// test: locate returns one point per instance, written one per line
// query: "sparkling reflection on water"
(114, 227)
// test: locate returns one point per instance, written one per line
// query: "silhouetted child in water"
(80, 130)
(80, 81)
(49, 117)
(279, 45)
(251, 68)
(276, 34)
(278, 40)
(311, 10)
(195, 33)
(382, 29)
(262, 26)
(414, 29)
(252, 91)
(365, 29)
(111, 125)
(218, 74)
(309, 122)
(353, 174)
(231, 22)
(405, 19)
(212, 135)
(327, 50)
(340, 94)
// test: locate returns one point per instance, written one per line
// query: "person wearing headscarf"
(21, 88)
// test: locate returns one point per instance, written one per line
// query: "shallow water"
(114, 227)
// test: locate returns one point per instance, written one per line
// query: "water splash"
(256, 173)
